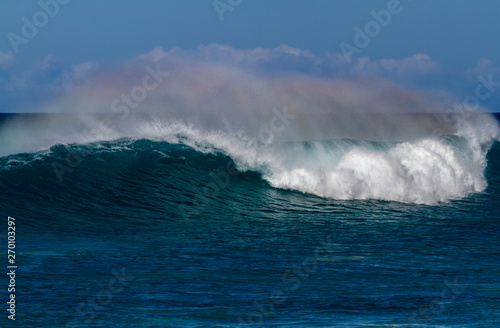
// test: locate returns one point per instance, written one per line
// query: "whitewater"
(211, 224)
(423, 170)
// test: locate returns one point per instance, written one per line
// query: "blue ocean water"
(138, 232)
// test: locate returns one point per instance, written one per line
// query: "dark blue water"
(130, 238)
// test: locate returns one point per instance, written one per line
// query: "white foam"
(425, 171)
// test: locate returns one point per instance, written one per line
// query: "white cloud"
(156, 54)
(83, 70)
(286, 59)
(414, 67)
(419, 64)
(219, 75)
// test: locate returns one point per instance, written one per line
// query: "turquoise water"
(252, 255)
(132, 237)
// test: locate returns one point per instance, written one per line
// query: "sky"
(435, 47)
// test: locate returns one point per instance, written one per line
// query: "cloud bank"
(39, 87)
(217, 87)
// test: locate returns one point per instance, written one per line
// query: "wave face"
(429, 170)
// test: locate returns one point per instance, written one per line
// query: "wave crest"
(424, 172)
(427, 170)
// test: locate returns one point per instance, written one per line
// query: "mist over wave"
(338, 137)
(426, 170)
(423, 170)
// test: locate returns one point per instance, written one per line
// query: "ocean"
(179, 228)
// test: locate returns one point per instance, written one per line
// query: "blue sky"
(461, 37)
